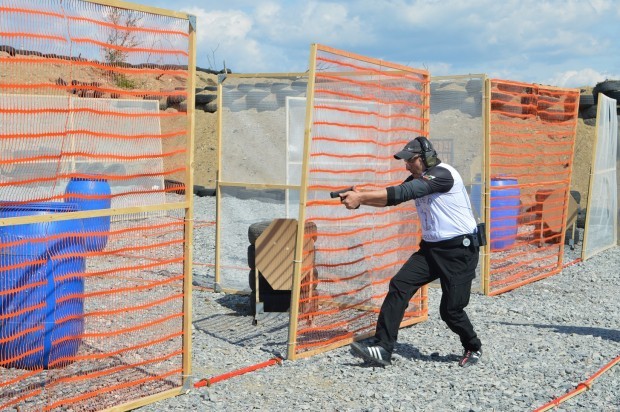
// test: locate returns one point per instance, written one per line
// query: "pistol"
(338, 192)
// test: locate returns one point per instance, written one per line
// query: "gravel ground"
(539, 342)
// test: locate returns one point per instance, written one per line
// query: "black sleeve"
(437, 179)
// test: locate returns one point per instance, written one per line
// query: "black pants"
(455, 266)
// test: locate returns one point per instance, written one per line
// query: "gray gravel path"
(539, 342)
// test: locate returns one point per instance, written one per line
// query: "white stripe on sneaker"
(375, 352)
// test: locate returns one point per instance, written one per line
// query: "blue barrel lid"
(12, 209)
(93, 178)
(503, 179)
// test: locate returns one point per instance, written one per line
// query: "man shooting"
(448, 250)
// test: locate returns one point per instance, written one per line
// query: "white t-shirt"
(441, 200)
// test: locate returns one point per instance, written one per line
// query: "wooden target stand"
(275, 261)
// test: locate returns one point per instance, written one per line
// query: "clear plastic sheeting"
(262, 131)
(601, 229)
(241, 208)
(261, 152)
(457, 129)
(457, 134)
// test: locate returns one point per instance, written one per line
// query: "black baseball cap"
(411, 149)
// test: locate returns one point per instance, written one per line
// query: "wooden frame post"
(189, 211)
(485, 185)
(303, 193)
(218, 187)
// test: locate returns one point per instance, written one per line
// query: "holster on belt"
(481, 234)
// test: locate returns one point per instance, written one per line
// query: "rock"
(211, 107)
(205, 98)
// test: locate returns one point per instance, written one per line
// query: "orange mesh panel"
(90, 89)
(532, 130)
(364, 111)
(116, 314)
(92, 118)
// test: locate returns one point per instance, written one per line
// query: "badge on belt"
(466, 241)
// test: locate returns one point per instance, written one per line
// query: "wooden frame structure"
(291, 348)
(186, 205)
(569, 113)
(224, 181)
(542, 209)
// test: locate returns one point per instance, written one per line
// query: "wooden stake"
(218, 187)
(485, 184)
(303, 194)
(568, 196)
(147, 400)
(54, 217)
(189, 215)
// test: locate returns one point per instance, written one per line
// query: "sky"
(565, 43)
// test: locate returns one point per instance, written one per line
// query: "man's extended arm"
(440, 181)
(353, 199)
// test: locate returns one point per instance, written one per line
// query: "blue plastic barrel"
(91, 194)
(41, 288)
(505, 204)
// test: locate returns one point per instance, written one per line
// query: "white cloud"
(424, 14)
(273, 34)
(267, 13)
(226, 36)
(229, 25)
(578, 78)
(543, 41)
(311, 22)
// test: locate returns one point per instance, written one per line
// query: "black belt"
(462, 240)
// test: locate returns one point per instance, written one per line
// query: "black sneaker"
(374, 354)
(470, 357)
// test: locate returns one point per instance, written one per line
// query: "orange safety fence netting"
(532, 137)
(93, 117)
(363, 112)
(91, 89)
(87, 322)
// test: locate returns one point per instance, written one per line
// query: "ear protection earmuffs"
(429, 155)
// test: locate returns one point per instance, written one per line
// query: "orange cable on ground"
(583, 386)
(572, 262)
(228, 375)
